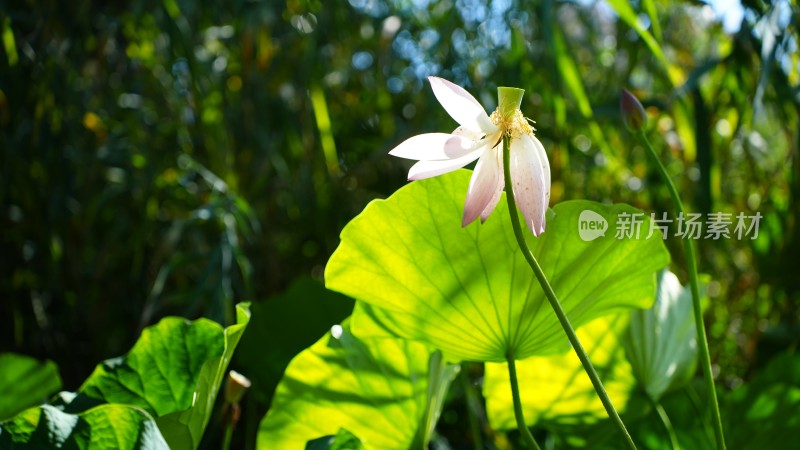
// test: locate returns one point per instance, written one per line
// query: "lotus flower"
(480, 136)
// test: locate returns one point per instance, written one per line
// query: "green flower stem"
(472, 404)
(523, 429)
(662, 414)
(691, 264)
(228, 426)
(554, 303)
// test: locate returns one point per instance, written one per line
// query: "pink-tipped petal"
(482, 185)
(498, 189)
(546, 169)
(528, 181)
(433, 147)
(428, 169)
(461, 106)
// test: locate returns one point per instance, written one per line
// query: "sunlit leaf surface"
(173, 372)
(555, 389)
(106, 426)
(469, 291)
(283, 326)
(385, 391)
(654, 348)
(24, 381)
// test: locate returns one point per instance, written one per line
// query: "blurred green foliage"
(174, 157)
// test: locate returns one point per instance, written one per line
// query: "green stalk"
(471, 400)
(228, 427)
(662, 414)
(554, 303)
(523, 429)
(691, 264)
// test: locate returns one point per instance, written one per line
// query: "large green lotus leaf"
(388, 392)
(24, 382)
(469, 291)
(173, 372)
(654, 348)
(555, 390)
(105, 426)
(661, 344)
(291, 322)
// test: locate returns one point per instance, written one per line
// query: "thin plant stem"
(554, 303)
(662, 414)
(691, 264)
(471, 401)
(228, 431)
(523, 429)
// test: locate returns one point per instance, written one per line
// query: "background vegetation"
(175, 157)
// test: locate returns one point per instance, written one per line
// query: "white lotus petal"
(428, 169)
(527, 180)
(474, 135)
(434, 146)
(482, 185)
(498, 189)
(461, 106)
(546, 169)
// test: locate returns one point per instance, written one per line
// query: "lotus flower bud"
(235, 387)
(632, 112)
